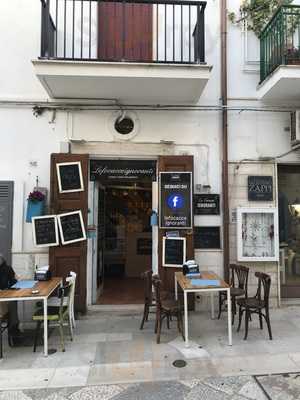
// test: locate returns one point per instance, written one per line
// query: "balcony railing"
(280, 41)
(164, 31)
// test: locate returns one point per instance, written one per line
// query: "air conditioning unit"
(295, 128)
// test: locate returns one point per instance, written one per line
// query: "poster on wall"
(175, 197)
(71, 227)
(257, 234)
(69, 177)
(174, 252)
(45, 231)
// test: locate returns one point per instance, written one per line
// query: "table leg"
(186, 327)
(176, 288)
(229, 317)
(212, 305)
(45, 328)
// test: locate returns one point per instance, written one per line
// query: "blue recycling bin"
(34, 209)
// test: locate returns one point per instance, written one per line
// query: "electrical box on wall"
(295, 128)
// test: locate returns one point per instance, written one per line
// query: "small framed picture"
(69, 177)
(45, 231)
(71, 227)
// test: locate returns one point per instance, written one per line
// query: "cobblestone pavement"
(228, 388)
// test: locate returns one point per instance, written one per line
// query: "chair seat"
(52, 314)
(251, 302)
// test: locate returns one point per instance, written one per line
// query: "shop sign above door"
(108, 171)
(206, 204)
(260, 188)
(175, 209)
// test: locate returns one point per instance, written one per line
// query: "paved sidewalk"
(109, 348)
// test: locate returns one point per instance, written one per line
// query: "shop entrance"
(289, 229)
(124, 233)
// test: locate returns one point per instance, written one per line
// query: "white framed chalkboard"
(71, 227)
(45, 231)
(174, 251)
(69, 177)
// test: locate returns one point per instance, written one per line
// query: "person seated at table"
(7, 279)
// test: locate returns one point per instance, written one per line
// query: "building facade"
(130, 90)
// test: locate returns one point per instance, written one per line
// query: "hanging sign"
(206, 204)
(260, 188)
(71, 227)
(174, 252)
(45, 231)
(108, 171)
(69, 176)
(175, 209)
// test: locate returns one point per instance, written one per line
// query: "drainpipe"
(224, 96)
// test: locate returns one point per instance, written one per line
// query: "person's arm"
(11, 277)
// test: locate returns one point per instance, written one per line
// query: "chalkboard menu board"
(174, 252)
(71, 227)
(45, 231)
(69, 176)
(207, 237)
(260, 188)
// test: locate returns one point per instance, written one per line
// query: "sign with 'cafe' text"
(175, 208)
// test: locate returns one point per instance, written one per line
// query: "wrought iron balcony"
(280, 41)
(143, 31)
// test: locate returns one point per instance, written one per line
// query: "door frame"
(155, 231)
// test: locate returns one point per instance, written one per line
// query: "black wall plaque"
(175, 210)
(260, 188)
(45, 232)
(144, 246)
(207, 237)
(71, 227)
(174, 252)
(107, 171)
(69, 177)
(206, 204)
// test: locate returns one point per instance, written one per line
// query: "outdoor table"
(185, 284)
(45, 288)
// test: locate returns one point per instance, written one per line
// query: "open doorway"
(124, 232)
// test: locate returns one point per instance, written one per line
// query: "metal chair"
(58, 315)
(165, 309)
(256, 304)
(238, 287)
(3, 326)
(148, 299)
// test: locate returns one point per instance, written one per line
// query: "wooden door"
(174, 164)
(72, 257)
(124, 31)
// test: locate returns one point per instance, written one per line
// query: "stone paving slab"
(231, 388)
(281, 386)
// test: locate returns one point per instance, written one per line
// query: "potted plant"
(35, 204)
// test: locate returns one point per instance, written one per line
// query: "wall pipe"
(224, 100)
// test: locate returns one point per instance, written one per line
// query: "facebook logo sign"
(175, 201)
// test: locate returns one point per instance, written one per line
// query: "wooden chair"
(238, 287)
(58, 315)
(256, 304)
(148, 297)
(165, 309)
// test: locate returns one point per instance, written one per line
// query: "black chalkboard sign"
(260, 188)
(206, 204)
(71, 227)
(45, 231)
(174, 252)
(207, 237)
(69, 176)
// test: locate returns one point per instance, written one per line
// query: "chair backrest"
(64, 291)
(239, 276)
(157, 290)
(263, 288)
(147, 277)
(72, 280)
